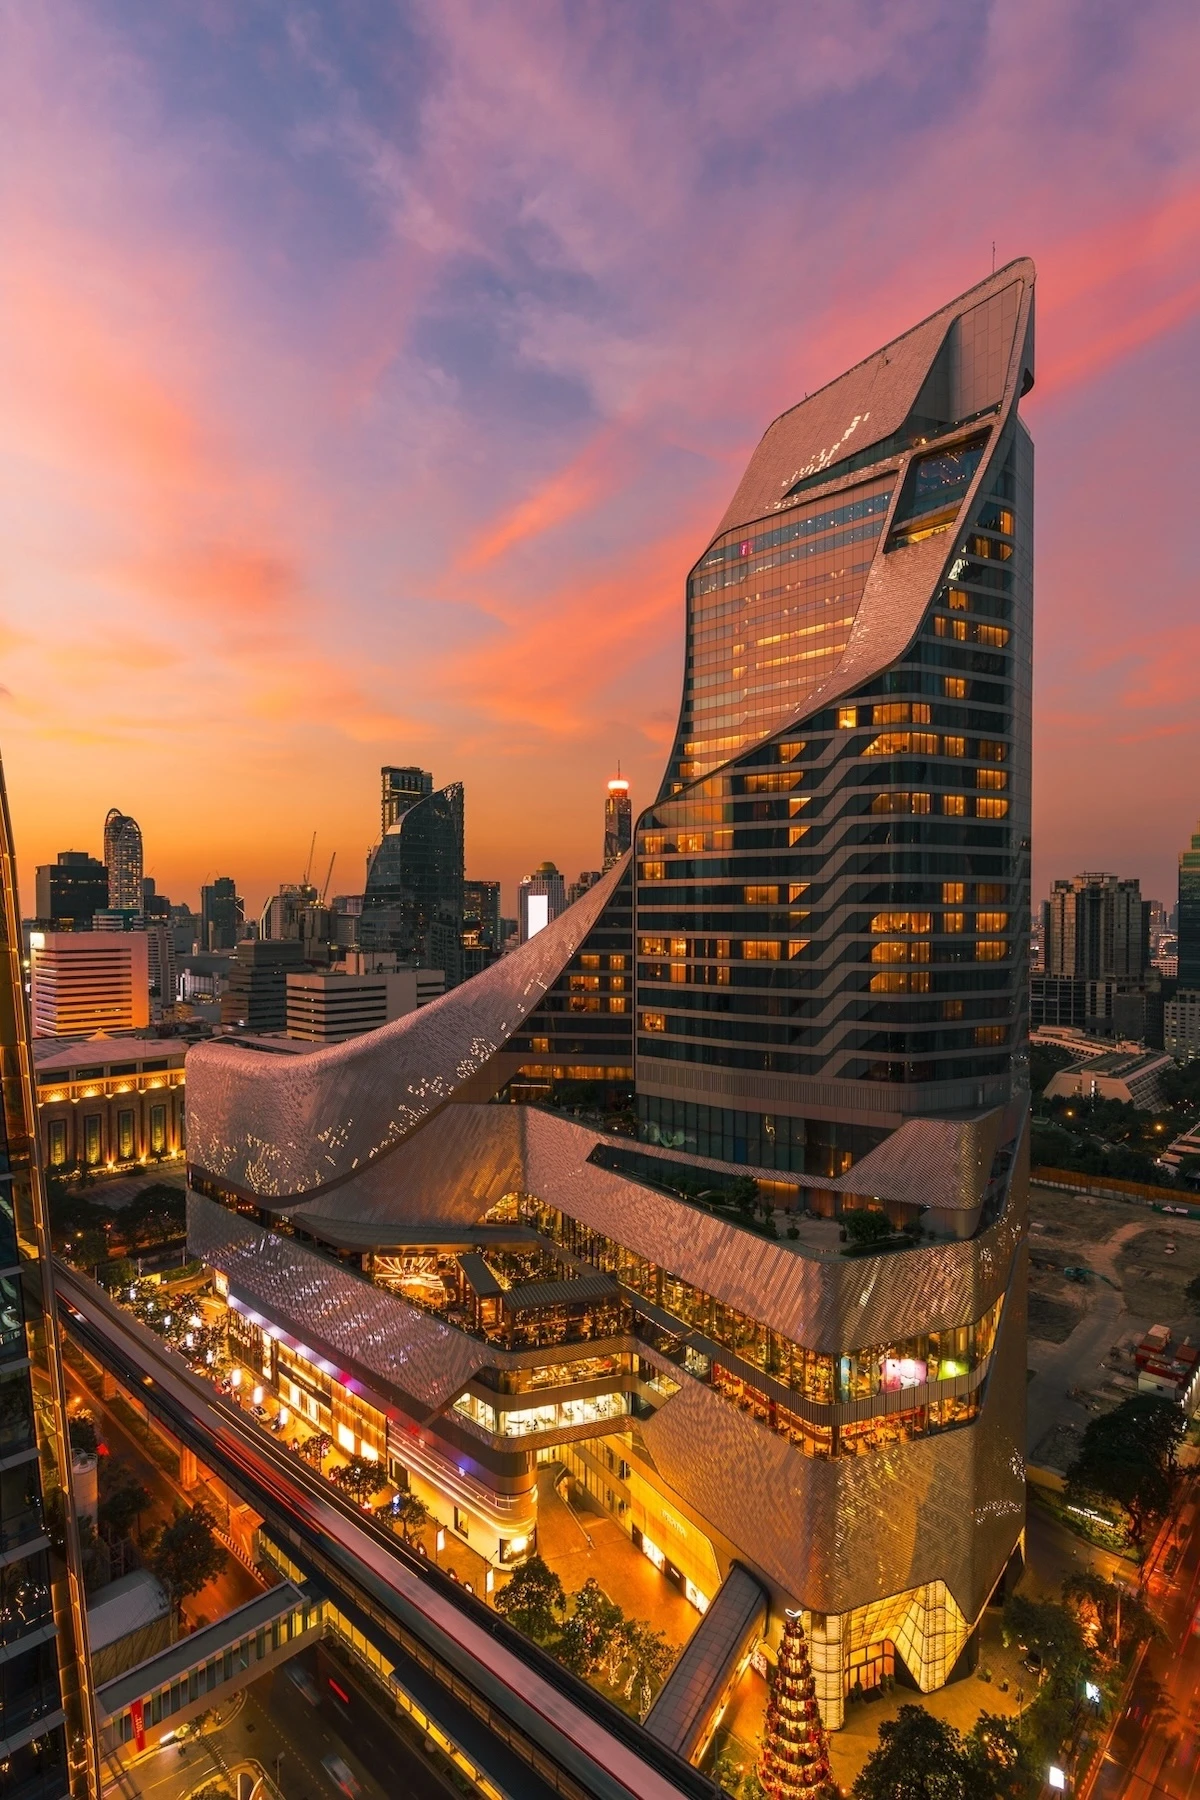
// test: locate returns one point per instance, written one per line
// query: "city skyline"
(326, 440)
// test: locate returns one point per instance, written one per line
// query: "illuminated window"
(955, 686)
(991, 778)
(789, 752)
(773, 783)
(761, 896)
(901, 743)
(678, 972)
(954, 746)
(990, 950)
(617, 1004)
(915, 981)
(847, 718)
(991, 921)
(901, 712)
(616, 983)
(760, 949)
(722, 946)
(796, 946)
(589, 962)
(996, 635)
(679, 946)
(901, 921)
(990, 809)
(579, 1003)
(690, 843)
(954, 921)
(654, 843)
(959, 602)
(991, 751)
(654, 1021)
(616, 962)
(990, 1034)
(653, 871)
(796, 832)
(581, 984)
(954, 804)
(952, 1009)
(901, 803)
(954, 892)
(653, 946)
(797, 890)
(541, 1043)
(900, 952)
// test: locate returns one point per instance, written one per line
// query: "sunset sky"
(370, 375)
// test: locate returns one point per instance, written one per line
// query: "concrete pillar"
(108, 1385)
(827, 1653)
(189, 1472)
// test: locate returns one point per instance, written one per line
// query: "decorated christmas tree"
(794, 1764)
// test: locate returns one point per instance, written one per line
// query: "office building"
(123, 860)
(109, 1101)
(281, 918)
(1187, 917)
(345, 911)
(1097, 928)
(326, 1006)
(86, 981)
(413, 902)
(1130, 1077)
(154, 905)
(47, 1719)
(618, 822)
(70, 891)
(255, 996)
(1181, 1025)
(810, 976)
(222, 914)
(541, 897)
(584, 880)
(481, 925)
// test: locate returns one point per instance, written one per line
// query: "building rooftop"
(54, 1055)
(124, 1606)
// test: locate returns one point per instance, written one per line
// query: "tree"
(360, 1477)
(411, 1515)
(588, 1632)
(532, 1599)
(866, 1228)
(1192, 1292)
(1100, 1606)
(794, 1764)
(919, 1758)
(650, 1658)
(123, 1499)
(186, 1554)
(83, 1434)
(999, 1763)
(1127, 1457)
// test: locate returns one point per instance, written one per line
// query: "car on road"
(341, 1776)
(305, 1683)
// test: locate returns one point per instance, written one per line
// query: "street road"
(1155, 1751)
(279, 1728)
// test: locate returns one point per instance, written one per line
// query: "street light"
(1057, 1778)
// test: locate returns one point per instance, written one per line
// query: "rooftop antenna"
(328, 877)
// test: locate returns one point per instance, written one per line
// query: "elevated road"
(577, 1743)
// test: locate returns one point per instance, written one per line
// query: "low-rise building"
(1130, 1076)
(324, 1007)
(109, 1101)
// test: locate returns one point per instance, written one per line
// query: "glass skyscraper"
(47, 1735)
(413, 904)
(123, 860)
(833, 884)
(1188, 919)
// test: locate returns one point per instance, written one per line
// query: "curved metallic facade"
(815, 961)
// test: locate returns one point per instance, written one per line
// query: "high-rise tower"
(46, 1715)
(123, 860)
(1188, 918)
(832, 887)
(618, 822)
(413, 904)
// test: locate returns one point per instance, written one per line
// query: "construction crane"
(306, 877)
(328, 877)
